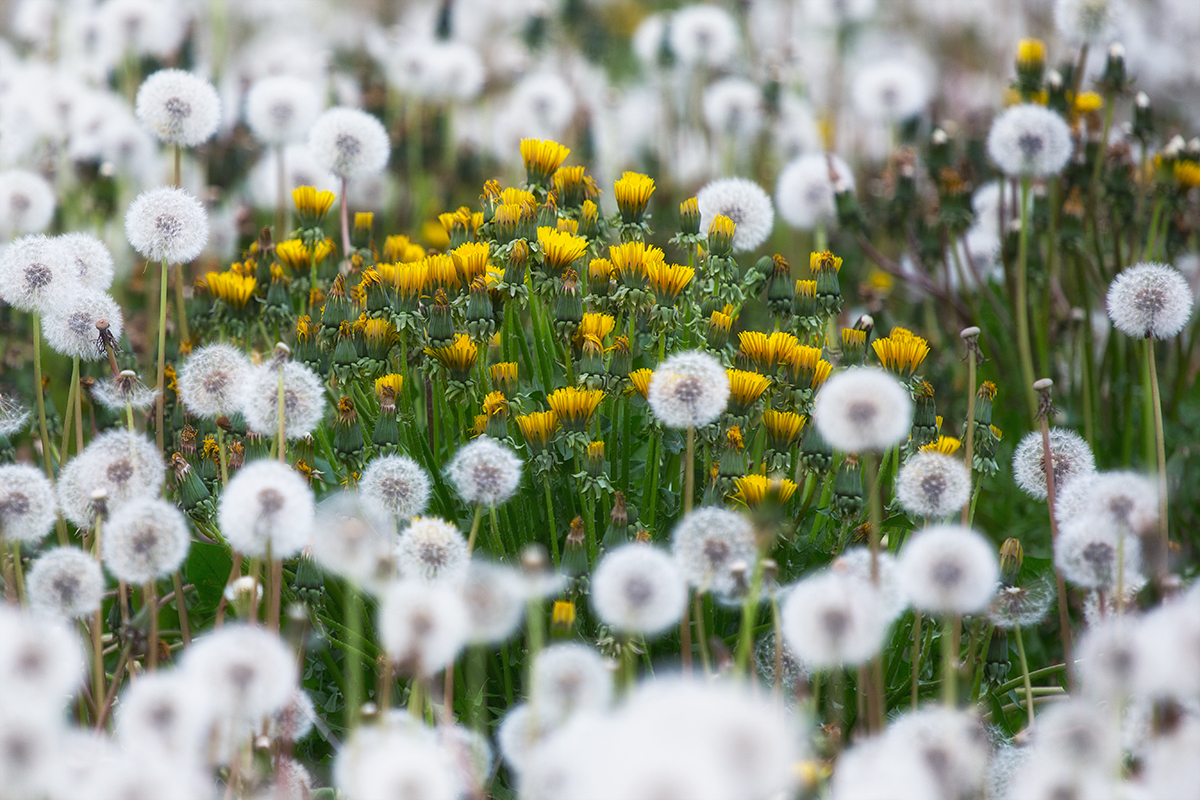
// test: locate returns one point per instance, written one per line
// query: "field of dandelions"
(599, 400)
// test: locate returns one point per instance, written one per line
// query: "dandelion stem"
(150, 603)
(969, 445)
(689, 474)
(1022, 301)
(701, 637)
(1025, 675)
(1064, 615)
(221, 456)
(69, 416)
(916, 657)
(875, 512)
(475, 529)
(550, 518)
(112, 687)
(41, 410)
(281, 194)
(749, 614)
(162, 356)
(777, 630)
(345, 215)
(650, 499)
(353, 657)
(97, 629)
(1160, 444)
(185, 628)
(180, 304)
(950, 636)
(685, 640)
(18, 573)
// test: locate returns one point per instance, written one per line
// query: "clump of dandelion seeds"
(949, 569)
(66, 582)
(178, 107)
(1070, 458)
(1149, 300)
(863, 409)
(638, 589)
(484, 472)
(689, 389)
(933, 485)
(267, 507)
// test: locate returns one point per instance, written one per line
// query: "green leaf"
(207, 569)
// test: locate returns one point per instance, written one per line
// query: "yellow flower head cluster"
(783, 427)
(392, 382)
(901, 351)
(471, 260)
(668, 280)
(632, 191)
(312, 204)
(632, 261)
(755, 490)
(575, 406)
(542, 158)
(560, 248)
(459, 356)
(746, 387)
(538, 427)
(402, 249)
(764, 352)
(640, 379)
(231, 288)
(944, 444)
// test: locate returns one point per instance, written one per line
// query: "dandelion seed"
(26, 504)
(281, 109)
(933, 485)
(349, 143)
(167, 224)
(211, 381)
(178, 107)
(485, 472)
(1023, 606)
(1168, 644)
(890, 90)
(248, 672)
(431, 549)
(353, 541)
(1070, 458)
(126, 389)
(145, 539)
(703, 36)
(41, 662)
(1077, 734)
(395, 763)
(877, 768)
(70, 326)
(422, 626)
(119, 464)
(951, 745)
(303, 400)
(857, 562)
(832, 620)
(33, 273)
(66, 582)
(267, 508)
(1090, 552)
(1127, 499)
(165, 713)
(742, 201)
(1030, 141)
(638, 589)
(863, 409)
(707, 542)
(568, 679)
(689, 389)
(1109, 656)
(26, 203)
(804, 191)
(395, 485)
(29, 749)
(294, 719)
(1088, 21)
(733, 107)
(949, 569)
(1150, 299)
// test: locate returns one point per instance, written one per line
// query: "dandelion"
(805, 189)
(431, 549)
(1030, 141)
(1094, 553)
(66, 582)
(879, 767)
(211, 380)
(952, 745)
(349, 143)
(1150, 300)
(703, 36)
(422, 626)
(689, 389)
(733, 107)
(395, 763)
(395, 485)
(638, 589)
(856, 562)
(569, 679)
(1168, 641)
(863, 409)
(632, 192)
(303, 400)
(742, 201)
(933, 485)
(352, 541)
(178, 107)
(542, 157)
(1070, 458)
(901, 352)
(26, 504)
(33, 273)
(124, 392)
(949, 569)
(560, 249)
(1088, 21)
(248, 672)
(165, 713)
(707, 542)
(281, 109)
(1109, 658)
(26, 203)
(1021, 606)
(833, 619)
(119, 464)
(573, 408)
(1077, 734)
(145, 539)
(29, 746)
(890, 90)
(70, 326)
(267, 507)
(485, 473)
(1128, 500)
(294, 719)
(494, 596)
(167, 224)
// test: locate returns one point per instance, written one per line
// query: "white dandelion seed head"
(519, 735)
(833, 619)
(70, 325)
(41, 662)
(167, 224)
(568, 679)
(547, 762)
(707, 542)
(1025, 606)
(638, 589)
(26, 203)
(744, 202)
(92, 260)
(733, 107)
(267, 507)
(115, 393)
(14, 418)
(84, 756)
(805, 193)
(949, 569)
(793, 670)
(33, 273)
(1079, 734)
(835, 13)
(541, 105)
(300, 169)
(29, 749)
(952, 745)
(133, 776)
(933, 485)
(248, 672)
(1093, 22)
(27, 505)
(65, 582)
(703, 35)
(431, 549)
(876, 767)
(352, 541)
(280, 109)
(422, 625)
(469, 751)
(688, 389)
(1169, 768)
(485, 472)
(132, 151)
(1108, 654)
(395, 762)
(349, 143)
(1168, 642)
(167, 714)
(292, 781)
(395, 485)
(1150, 299)
(1030, 141)
(1070, 458)
(145, 539)
(863, 409)
(303, 400)
(294, 719)
(495, 597)
(178, 107)
(211, 380)
(436, 69)
(1127, 499)
(890, 90)
(140, 27)
(856, 562)
(649, 39)
(1092, 551)
(121, 465)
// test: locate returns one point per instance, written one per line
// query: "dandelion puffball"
(703, 35)
(494, 596)
(733, 107)
(570, 678)
(833, 619)
(33, 273)
(422, 626)
(118, 464)
(863, 409)
(167, 224)
(1069, 454)
(394, 485)
(744, 202)
(210, 382)
(65, 581)
(805, 192)
(70, 326)
(1088, 21)
(26, 504)
(41, 660)
(281, 109)
(949, 569)
(707, 542)
(1030, 141)
(349, 143)
(267, 508)
(1093, 552)
(431, 549)
(178, 107)
(890, 90)
(1150, 299)
(1128, 500)
(145, 539)
(689, 389)
(248, 671)
(303, 400)
(638, 589)
(26, 202)
(92, 262)
(933, 485)
(485, 472)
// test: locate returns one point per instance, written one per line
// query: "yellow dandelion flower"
(600, 269)
(783, 427)
(542, 158)
(722, 225)
(495, 403)
(443, 272)
(721, 321)
(806, 368)
(401, 248)
(901, 351)
(459, 357)
(567, 225)
(293, 253)
(1031, 53)
(733, 438)
(640, 380)
(504, 377)
(668, 280)
(1088, 102)
(232, 289)
(560, 248)
(538, 428)
(596, 324)
(595, 451)
(824, 262)
(471, 259)
(745, 388)
(944, 444)
(392, 381)
(1187, 173)
(563, 614)
(755, 490)
(574, 407)
(632, 192)
(311, 204)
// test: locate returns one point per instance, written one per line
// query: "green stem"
(162, 356)
(916, 657)
(650, 499)
(969, 448)
(550, 518)
(1160, 444)
(1025, 674)
(749, 614)
(475, 530)
(1022, 302)
(689, 466)
(353, 655)
(950, 634)
(41, 409)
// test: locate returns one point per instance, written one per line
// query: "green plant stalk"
(1160, 445)
(550, 519)
(1152, 236)
(1148, 443)
(650, 499)
(162, 356)
(353, 655)
(150, 601)
(874, 511)
(589, 521)
(180, 303)
(474, 529)
(950, 635)
(1022, 303)
(969, 445)
(689, 475)
(916, 657)
(41, 410)
(1064, 614)
(181, 608)
(749, 613)
(1025, 674)
(701, 637)
(68, 417)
